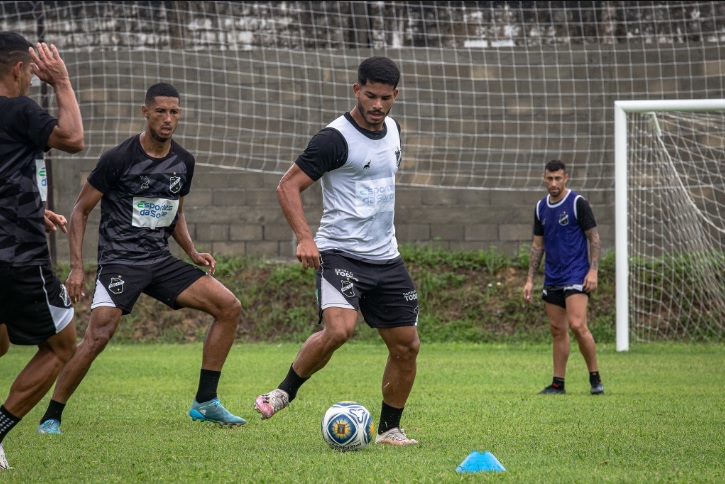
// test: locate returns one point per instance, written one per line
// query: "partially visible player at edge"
(565, 229)
(141, 184)
(355, 251)
(34, 306)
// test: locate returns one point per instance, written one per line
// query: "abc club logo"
(116, 285)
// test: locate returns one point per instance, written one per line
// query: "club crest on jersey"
(563, 218)
(116, 285)
(348, 289)
(175, 184)
(145, 182)
(397, 156)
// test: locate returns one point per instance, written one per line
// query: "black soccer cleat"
(598, 389)
(552, 390)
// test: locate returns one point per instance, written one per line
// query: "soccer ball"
(347, 426)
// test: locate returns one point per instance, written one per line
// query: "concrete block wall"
(234, 212)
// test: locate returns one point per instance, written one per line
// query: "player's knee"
(406, 350)
(557, 331)
(95, 342)
(337, 335)
(228, 310)
(579, 328)
(66, 352)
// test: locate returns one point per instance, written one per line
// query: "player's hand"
(54, 221)
(308, 254)
(590, 281)
(204, 259)
(74, 285)
(47, 64)
(527, 291)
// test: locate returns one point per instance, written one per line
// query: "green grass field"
(662, 418)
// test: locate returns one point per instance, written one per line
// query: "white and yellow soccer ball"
(347, 426)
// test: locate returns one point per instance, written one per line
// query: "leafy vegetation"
(464, 297)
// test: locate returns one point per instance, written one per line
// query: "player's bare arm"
(591, 280)
(49, 67)
(182, 237)
(87, 200)
(289, 194)
(536, 255)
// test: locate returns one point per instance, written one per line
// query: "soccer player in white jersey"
(565, 229)
(141, 184)
(34, 306)
(354, 251)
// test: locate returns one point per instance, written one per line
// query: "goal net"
(670, 220)
(490, 90)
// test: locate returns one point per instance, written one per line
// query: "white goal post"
(625, 182)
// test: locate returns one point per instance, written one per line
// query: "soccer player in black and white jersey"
(354, 251)
(141, 184)
(565, 229)
(34, 306)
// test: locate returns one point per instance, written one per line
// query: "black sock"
(54, 412)
(208, 384)
(558, 383)
(389, 418)
(7, 422)
(291, 383)
(594, 378)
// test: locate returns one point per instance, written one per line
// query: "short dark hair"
(13, 49)
(161, 89)
(555, 165)
(378, 69)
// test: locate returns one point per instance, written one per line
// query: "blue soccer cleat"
(51, 426)
(214, 411)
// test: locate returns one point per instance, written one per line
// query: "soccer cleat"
(270, 403)
(214, 411)
(51, 426)
(552, 390)
(3, 461)
(394, 436)
(598, 389)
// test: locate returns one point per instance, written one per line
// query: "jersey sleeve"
(326, 151)
(190, 163)
(190, 174)
(538, 227)
(33, 122)
(585, 215)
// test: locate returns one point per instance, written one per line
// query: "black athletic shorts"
(383, 292)
(34, 305)
(557, 294)
(120, 285)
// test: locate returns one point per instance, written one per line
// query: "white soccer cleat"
(3, 461)
(394, 436)
(270, 403)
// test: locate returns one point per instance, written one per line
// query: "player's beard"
(364, 114)
(158, 137)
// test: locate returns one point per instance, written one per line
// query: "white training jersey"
(358, 187)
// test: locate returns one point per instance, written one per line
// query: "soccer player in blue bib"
(141, 185)
(565, 229)
(354, 250)
(34, 306)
